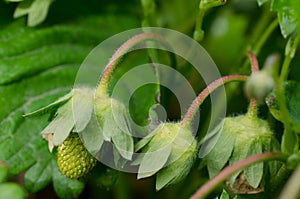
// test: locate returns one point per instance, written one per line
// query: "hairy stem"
(187, 119)
(253, 107)
(203, 191)
(102, 89)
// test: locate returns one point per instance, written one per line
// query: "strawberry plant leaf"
(38, 176)
(38, 67)
(288, 13)
(63, 186)
(292, 99)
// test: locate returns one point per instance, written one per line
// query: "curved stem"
(102, 89)
(253, 61)
(203, 191)
(186, 121)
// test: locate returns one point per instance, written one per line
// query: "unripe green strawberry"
(73, 159)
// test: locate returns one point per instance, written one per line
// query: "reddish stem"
(202, 96)
(203, 191)
(123, 49)
(253, 61)
(252, 110)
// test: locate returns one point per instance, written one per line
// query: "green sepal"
(221, 153)
(254, 173)
(154, 159)
(51, 107)
(62, 124)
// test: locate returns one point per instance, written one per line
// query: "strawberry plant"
(110, 99)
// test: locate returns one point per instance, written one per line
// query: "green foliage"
(38, 66)
(36, 69)
(292, 99)
(241, 137)
(288, 13)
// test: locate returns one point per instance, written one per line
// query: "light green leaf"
(154, 160)
(23, 8)
(254, 173)
(38, 12)
(11, 190)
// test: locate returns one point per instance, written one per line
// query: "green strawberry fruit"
(73, 159)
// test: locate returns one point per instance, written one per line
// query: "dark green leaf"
(38, 176)
(63, 186)
(292, 100)
(37, 67)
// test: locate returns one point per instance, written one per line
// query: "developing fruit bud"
(259, 85)
(170, 152)
(73, 159)
(241, 137)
